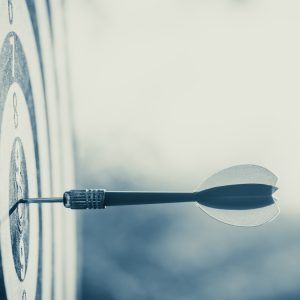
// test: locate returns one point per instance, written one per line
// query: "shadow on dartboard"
(35, 151)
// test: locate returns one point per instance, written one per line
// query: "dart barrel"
(84, 199)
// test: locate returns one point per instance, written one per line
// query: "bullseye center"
(19, 213)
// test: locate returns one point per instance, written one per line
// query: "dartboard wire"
(56, 214)
(62, 259)
(61, 218)
(34, 20)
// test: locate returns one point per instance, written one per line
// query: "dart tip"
(41, 200)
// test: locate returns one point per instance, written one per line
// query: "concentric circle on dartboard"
(35, 153)
(23, 119)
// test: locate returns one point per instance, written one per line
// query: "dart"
(241, 195)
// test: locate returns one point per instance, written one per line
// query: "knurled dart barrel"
(84, 199)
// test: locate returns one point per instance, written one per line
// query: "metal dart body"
(240, 195)
(100, 198)
(234, 197)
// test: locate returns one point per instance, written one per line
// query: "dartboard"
(37, 242)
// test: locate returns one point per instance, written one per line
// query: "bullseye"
(18, 184)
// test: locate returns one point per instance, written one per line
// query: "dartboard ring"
(31, 264)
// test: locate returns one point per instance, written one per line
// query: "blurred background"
(166, 93)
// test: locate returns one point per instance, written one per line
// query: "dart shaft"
(135, 198)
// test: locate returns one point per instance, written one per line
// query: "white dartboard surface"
(37, 243)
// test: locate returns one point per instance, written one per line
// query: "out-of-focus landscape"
(166, 93)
